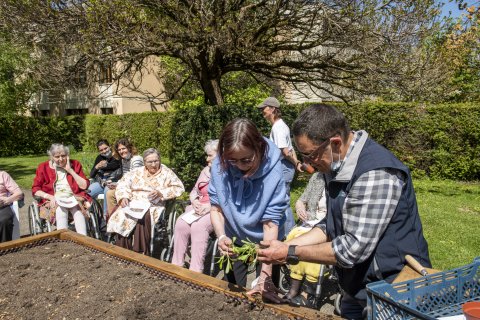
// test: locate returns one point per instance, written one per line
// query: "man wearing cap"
(280, 135)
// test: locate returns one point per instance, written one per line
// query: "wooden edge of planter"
(24, 241)
(170, 269)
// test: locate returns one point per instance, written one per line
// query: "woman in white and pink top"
(9, 192)
(194, 225)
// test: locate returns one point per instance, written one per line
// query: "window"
(71, 112)
(107, 110)
(105, 73)
(44, 113)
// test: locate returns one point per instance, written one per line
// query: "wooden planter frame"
(182, 274)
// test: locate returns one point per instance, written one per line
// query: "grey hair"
(55, 147)
(211, 145)
(150, 151)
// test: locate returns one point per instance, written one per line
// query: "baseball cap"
(269, 102)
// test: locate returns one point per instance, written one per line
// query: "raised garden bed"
(55, 279)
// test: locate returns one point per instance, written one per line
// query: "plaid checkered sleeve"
(367, 211)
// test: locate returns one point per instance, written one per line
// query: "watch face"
(292, 260)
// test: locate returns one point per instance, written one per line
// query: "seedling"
(247, 253)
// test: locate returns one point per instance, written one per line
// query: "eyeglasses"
(312, 155)
(152, 161)
(244, 161)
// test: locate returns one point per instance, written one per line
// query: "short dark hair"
(102, 141)
(320, 122)
(240, 133)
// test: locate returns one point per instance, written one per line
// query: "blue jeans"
(94, 190)
(288, 174)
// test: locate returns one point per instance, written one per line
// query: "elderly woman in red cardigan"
(61, 185)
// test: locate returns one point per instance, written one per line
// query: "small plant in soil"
(247, 253)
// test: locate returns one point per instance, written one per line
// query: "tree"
(462, 48)
(345, 49)
(16, 85)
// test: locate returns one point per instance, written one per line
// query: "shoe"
(301, 301)
(309, 287)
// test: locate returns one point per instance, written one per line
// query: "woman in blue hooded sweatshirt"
(248, 196)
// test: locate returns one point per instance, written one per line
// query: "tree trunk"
(212, 91)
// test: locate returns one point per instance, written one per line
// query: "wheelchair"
(16, 205)
(326, 286)
(164, 237)
(38, 225)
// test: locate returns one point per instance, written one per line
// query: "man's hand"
(273, 251)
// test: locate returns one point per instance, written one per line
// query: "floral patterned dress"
(136, 234)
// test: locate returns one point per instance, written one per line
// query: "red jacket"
(45, 178)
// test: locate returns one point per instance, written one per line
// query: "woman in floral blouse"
(152, 184)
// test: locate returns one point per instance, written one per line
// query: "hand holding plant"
(247, 253)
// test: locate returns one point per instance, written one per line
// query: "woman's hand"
(301, 212)
(124, 202)
(111, 185)
(4, 201)
(197, 206)
(101, 164)
(225, 246)
(266, 288)
(51, 199)
(204, 209)
(68, 168)
(155, 194)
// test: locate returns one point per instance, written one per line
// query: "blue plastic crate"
(437, 295)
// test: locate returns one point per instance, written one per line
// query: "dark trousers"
(238, 274)
(6, 223)
(353, 309)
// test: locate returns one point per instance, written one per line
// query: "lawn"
(450, 213)
(450, 210)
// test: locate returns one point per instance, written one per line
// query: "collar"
(351, 159)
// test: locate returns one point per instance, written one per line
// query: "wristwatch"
(292, 258)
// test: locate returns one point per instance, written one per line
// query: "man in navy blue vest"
(372, 218)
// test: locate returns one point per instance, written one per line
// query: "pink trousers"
(197, 233)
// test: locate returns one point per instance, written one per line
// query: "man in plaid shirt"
(372, 218)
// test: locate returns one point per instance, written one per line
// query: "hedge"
(146, 130)
(22, 135)
(439, 141)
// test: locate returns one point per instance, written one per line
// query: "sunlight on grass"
(450, 210)
(23, 168)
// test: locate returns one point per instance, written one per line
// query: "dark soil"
(62, 280)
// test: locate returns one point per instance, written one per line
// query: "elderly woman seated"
(141, 194)
(9, 192)
(194, 225)
(61, 185)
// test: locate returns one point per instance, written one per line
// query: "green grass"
(450, 210)
(23, 168)
(450, 214)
